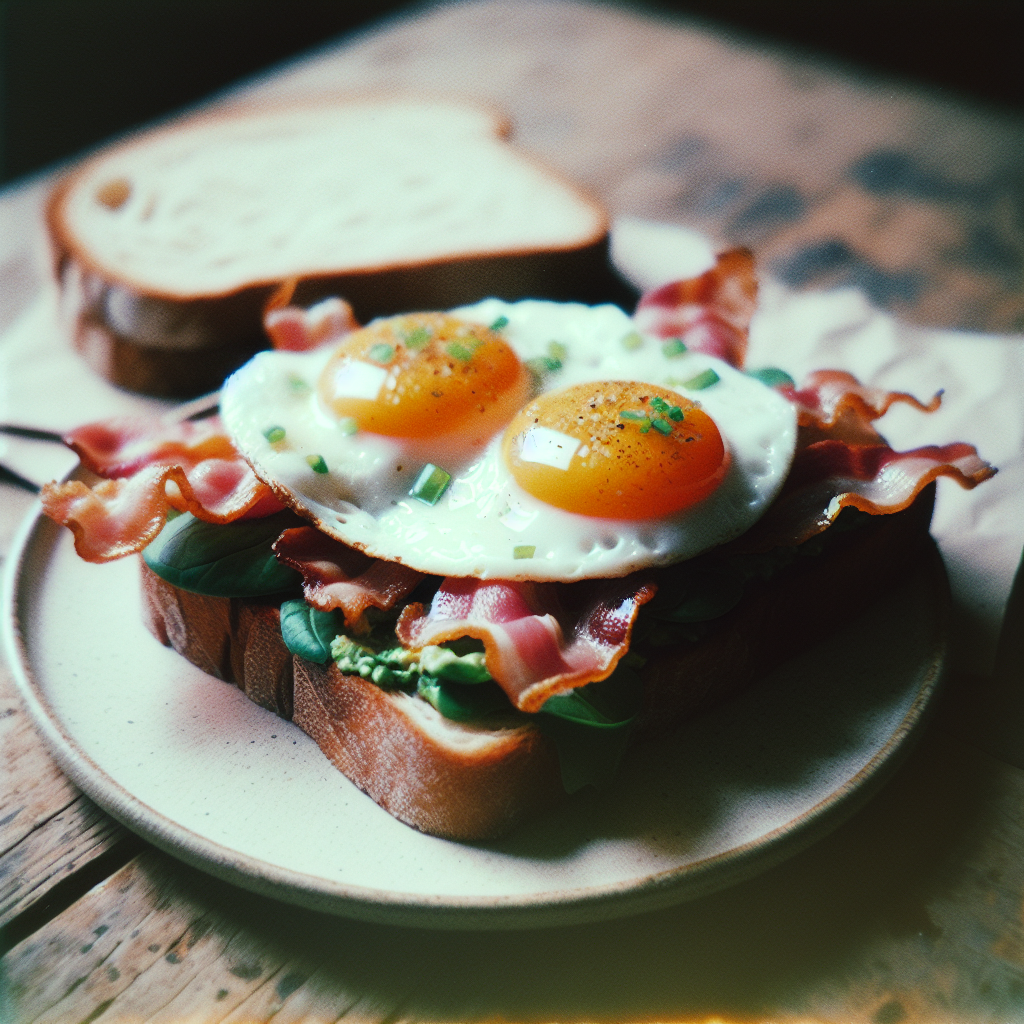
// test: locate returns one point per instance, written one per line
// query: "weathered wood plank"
(51, 853)
(161, 943)
(909, 912)
(48, 829)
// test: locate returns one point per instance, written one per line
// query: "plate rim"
(553, 908)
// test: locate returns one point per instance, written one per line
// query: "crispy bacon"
(123, 445)
(828, 395)
(152, 465)
(120, 517)
(827, 476)
(710, 313)
(294, 329)
(841, 461)
(337, 576)
(539, 639)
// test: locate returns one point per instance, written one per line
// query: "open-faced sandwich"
(477, 554)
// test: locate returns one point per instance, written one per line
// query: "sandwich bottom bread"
(477, 555)
(478, 779)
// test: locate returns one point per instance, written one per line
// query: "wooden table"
(912, 910)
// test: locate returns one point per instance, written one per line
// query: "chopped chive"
(702, 380)
(274, 434)
(348, 426)
(632, 341)
(662, 426)
(417, 338)
(430, 484)
(524, 551)
(541, 366)
(675, 413)
(673, 347)
(381, 353)
(629, 414)
(772, 376)
(658, 404)
(461, 352)
(558, 351)
(645, 427)
(297, 384)
(316, 463)
(500, 324)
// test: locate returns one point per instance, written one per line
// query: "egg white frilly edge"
(485, 525)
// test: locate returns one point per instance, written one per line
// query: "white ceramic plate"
(188, 762)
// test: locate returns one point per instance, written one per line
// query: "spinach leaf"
(591, 727)
(223, 560)
(463, 702)
(308, 632)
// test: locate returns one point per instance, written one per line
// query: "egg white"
(483, 517)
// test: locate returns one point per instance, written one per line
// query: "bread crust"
(505, 775)
(370, 736)
(480, 786)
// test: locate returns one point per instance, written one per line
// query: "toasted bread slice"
(169, 246)
(464, 782)
(478, 781)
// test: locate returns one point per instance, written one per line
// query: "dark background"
(74, 72)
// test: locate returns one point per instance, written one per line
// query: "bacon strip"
(120, 517)
(123, 445)
(294, 329)
(538, 640)
(828, 476)
(710, 313)
(151, 466)
(337, 576)
(828, 395)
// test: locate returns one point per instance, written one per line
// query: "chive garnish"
(673, 347)
(274, 434)
(541, 366)
(348, 426)
(662, 426)
(557, 351)
(430, 484)
(673, 412)
(461, 352)
(702, 380)
(316, 463)
(632, 341)
(500, 324)
(297, 384)
(417, 338)
(381, 353)
(772, 376)
(629, 414)
(524, 551)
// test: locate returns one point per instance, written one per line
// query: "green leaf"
(463, 702)
(223, 560)
(308, 632)
(772, 376)
(591, 727)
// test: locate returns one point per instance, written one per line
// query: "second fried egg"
(528, 440)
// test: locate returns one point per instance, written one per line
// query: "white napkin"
(45, 385)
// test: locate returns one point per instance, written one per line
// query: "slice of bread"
(464, 782)
(168, 246)
(472, 782)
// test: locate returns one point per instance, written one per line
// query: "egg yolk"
(425, 375)
(618, 450)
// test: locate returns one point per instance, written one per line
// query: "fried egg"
(528, 440)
